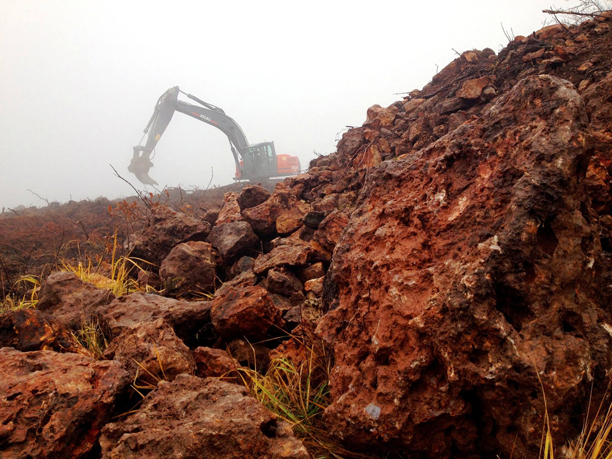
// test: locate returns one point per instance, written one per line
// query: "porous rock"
(230, 212)
(283, 282)
(71, 300)
(465, 287)
(252, 195)
(194, 417)
(215, 363)
(55, 405)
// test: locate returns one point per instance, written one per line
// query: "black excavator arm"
(166, 105)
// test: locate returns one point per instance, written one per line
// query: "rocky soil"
(454, 255)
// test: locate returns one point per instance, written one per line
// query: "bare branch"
(39, 197)
(139, 193)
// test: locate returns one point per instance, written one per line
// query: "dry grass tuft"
(296, 389)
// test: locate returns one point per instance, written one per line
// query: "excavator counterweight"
(253, 162)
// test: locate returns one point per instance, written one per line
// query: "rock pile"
(454, 253)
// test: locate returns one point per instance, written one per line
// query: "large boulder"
(166, 229)
(70, 300)
(234, 240)
(194, 417)
(32, 330)
(252, 195)
(189, 319)
(151, 352)
(55, 405)
(465, 288)
(189, 269)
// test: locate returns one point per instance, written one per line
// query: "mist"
(80, 79)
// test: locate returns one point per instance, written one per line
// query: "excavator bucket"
(140, 165)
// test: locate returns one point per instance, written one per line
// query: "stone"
(295, 253)
(378, 116)
(247, 311)
(290, 220)
(252, 195)
(195, 417)
(313, 219)
(151, 352)
(234, 240)
(466, 284)
(216, 363)
(283, 282)
(312, 272)
(262, 217)
(315, 286)
(70, 300)
(328, 235)
(472, 89)
(252, 355)
(32, 330)
(189, 269)
(55, 405)
(244, 264)
(166, 229)
(188, 318)
(230, 212)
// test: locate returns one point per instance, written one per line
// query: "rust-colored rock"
(328, 235)
(290, 253)
(315, 286)
(252, 195)
(234, 240)
(283, 282)
(194, 417)
(381, 117)
(55, 405)
(187, 318)
(244, 264)
(312, 272)
(216, 363)
(466, 271)
(230, 212)
(150, 352)
(70, 300)
(252, 355)
(472, 89)
(247, 311)
(32, 330)
(165, 230)
(189, 269)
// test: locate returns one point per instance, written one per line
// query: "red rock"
(381, 117)
(283, 282)
(472, 89)
(247, 311)
(252, 195)
(464, 268)
(328, 234)
(230, 212)
(189, 269)
(290, 220)
(55, 405)
(187, 318)
(253, 355)
(216, 363)
(315, 286)
(151, 352)
(244, 264)
(233, 240)
(165, 230)
(194, 417)
(70, 300)
(312, 272)
(32, 330)
(290, 254)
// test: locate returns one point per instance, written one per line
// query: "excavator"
(253, 162)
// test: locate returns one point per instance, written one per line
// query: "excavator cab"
(258, 161)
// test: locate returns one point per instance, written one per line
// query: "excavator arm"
(166, 105)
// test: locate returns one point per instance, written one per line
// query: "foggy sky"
(79, 79)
